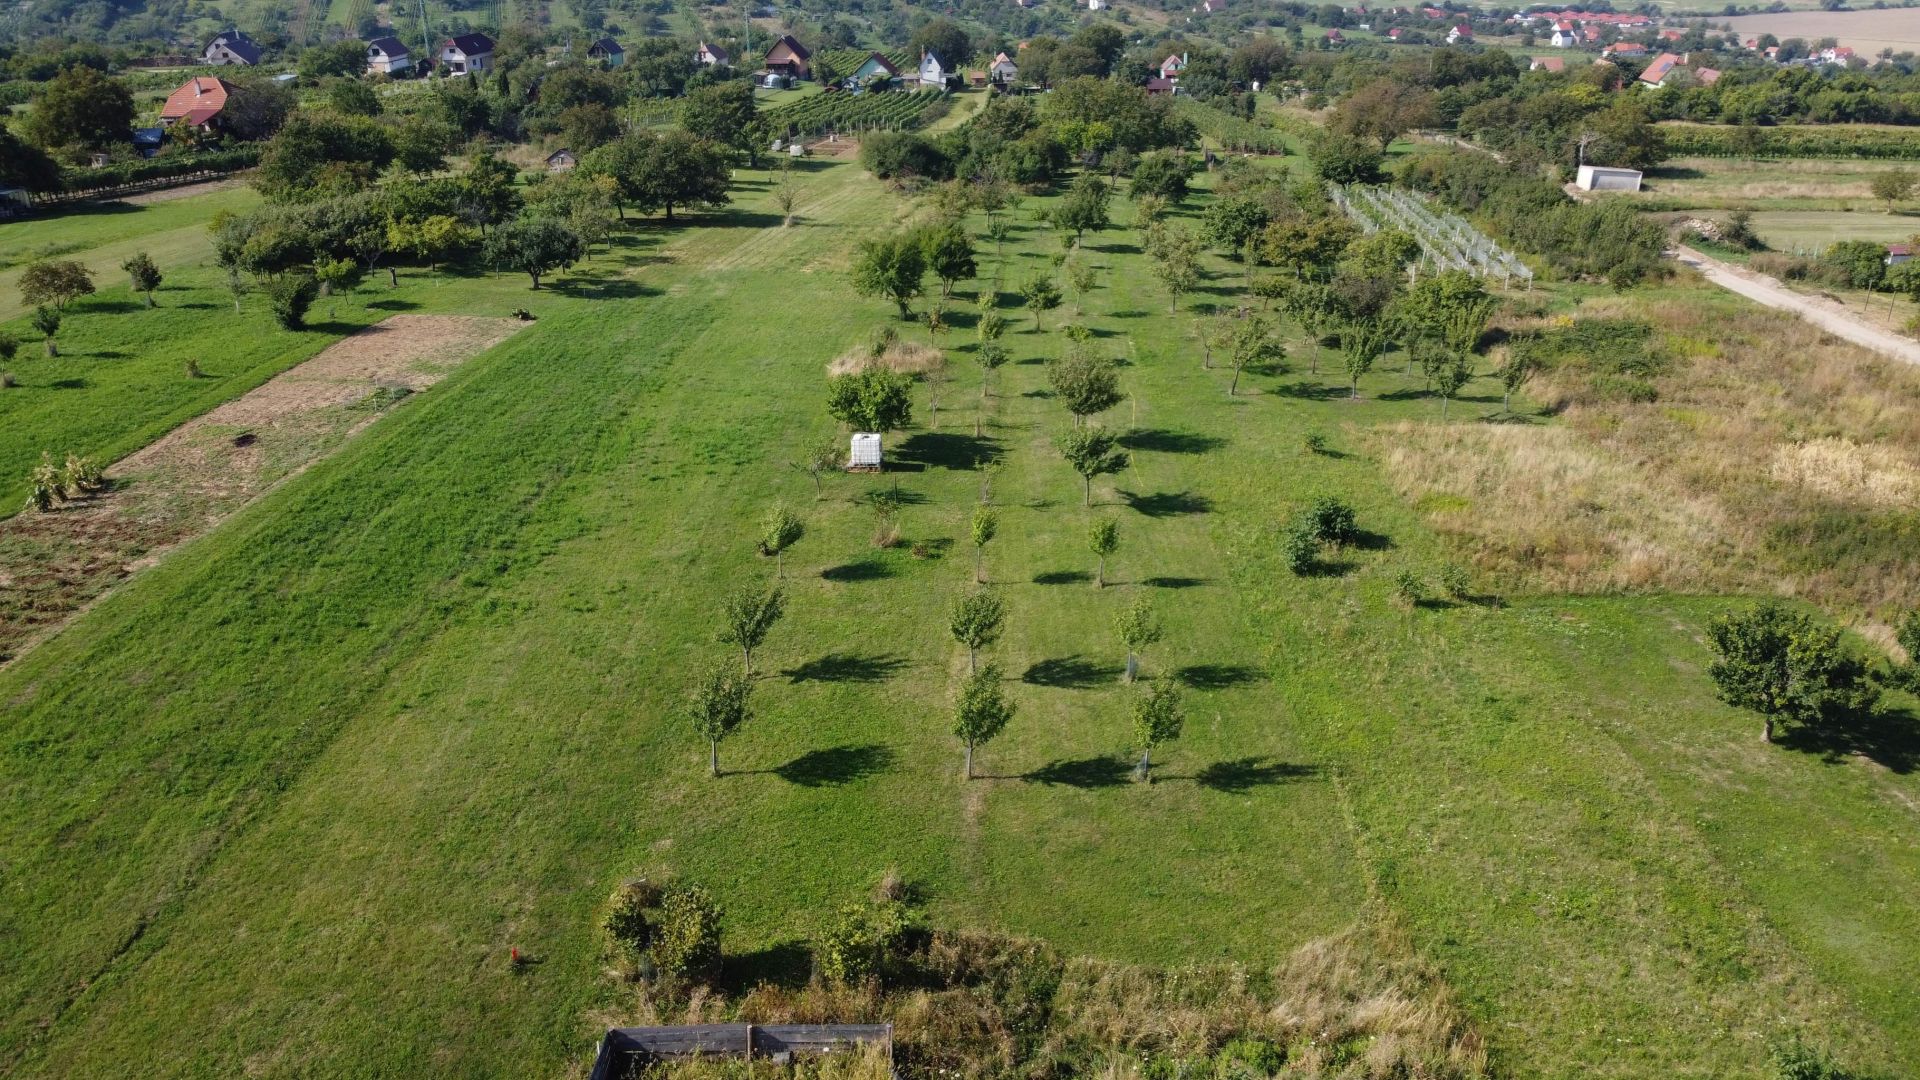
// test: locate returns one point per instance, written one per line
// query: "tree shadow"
(391, 305)
(1244, 774)
(68, 384)
(1218, 676)
(1093, 772)
(787, 963)
(1168, 503)
(1171, 442)
(1888, 737)
(1311, 391)
(1174, 582)
(115, 307)
(1062, 577)
(599, 288)
(1070, 673)
(866, 569)
(1364, 540)
(946, 450)
(839, 765)
(845, 667)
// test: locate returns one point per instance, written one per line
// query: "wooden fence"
(625, 1049)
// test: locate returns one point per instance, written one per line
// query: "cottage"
(1004, 71)
(1394, 34)
(1565, 35)
(387, 56)
(1547, 63)
(1837, 55)
(1173, 65)
(1657, 72)
(1601, 178)
(874, 73)
(1096, 5)
(196, 102)
(466, 53)
(1156, 87)
(710, 55)
(1335, 37)
(561, 160)
(232, 47)
(1671, 35)
(789, 58)
(608, 52)
(1707, 76)
(1624, 48)
(932, 72)
(1898, 253)
(977, 80)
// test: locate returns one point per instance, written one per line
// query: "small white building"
(933, 74)
(1602, 178)
(387, 56)
(864, 454)
(466, 54)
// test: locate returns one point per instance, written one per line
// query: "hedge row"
(160, 168)
(1688, 140)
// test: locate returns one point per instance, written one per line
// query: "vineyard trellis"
(845, 114)
(1447, 241)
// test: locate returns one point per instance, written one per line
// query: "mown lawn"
(283, 803)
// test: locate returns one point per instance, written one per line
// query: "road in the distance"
(1825, 314)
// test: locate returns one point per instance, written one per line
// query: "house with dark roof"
(196, 102)
(388, 56)
(874, 73)
(232, 47)
(466, 53)
(710, 55)
(607, 51)
(789, 58)
(562, 160)
(1157, 87)
(933, 74)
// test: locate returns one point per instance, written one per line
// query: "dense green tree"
(289, 297)
(80, 109)
(535, 246)
(1040, 294)
(1138, 626)
(1084, 207)
(1162, 173)
(945, 39)
(1176, 262)
(1254, 345)
(1893, 185)
(351, 97)
(1384, 110)
(781, 530)
(1157, 719)
(257, 108)
(680, 169)
(340, 58)
(947, 250)
(982, 712)
(718, 703)
(1086, 384)
(1785, 666)
(723, 114)
(1361, 343)
(874, 399)
(747, 616)
(55, 281)
(320, 154)
(891, 267)
(24, 165)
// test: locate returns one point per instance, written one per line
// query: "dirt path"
(54, 565)
(184, 191)
(1828, 315)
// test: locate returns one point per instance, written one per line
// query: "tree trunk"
(1356, 388)
(535, 277)
(1146, 765)
(973, 665)
(149, 300)
(393, 277)
(746, 659)
(713, 756)
(1100, 579)
(1233, 388)
(978, 551)
(669, 211)
(1089, 498)
(969, 760)
(1315, 369)
(819, 492)
(780, 564)
(1130, 667)
(1444, 402)
(1506, 401)
(1767, 735)
(53, 350)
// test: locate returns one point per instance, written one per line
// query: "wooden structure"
(561, 160)
(790, 58)
(624, 1051)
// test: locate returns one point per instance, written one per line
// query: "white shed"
(1601, 178)
(864, 454)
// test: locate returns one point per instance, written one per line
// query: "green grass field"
(282, 804)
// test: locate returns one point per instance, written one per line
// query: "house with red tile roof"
(197, 101)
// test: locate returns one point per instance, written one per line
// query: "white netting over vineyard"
(1446, 241)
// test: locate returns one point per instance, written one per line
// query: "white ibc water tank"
(865, 452)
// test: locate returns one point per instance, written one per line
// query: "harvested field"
(1866, 32)
(53, 564)
(1774, 460)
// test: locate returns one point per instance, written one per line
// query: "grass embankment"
(283, 803)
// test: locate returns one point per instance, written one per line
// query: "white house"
(711, 56)
(1565, 35)
(1096, 5)
(932, 72)
(1601, 178)
(1460, 33)
(387, 56)
(1173, 65)
(232, 47)
(468, 52)
(1004, 70)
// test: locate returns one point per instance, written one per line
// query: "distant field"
(1813, 230)
(1867, 32)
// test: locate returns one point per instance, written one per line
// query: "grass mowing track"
(294, 792)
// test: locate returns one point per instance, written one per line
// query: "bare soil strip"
(52, 565)
(1828, 315)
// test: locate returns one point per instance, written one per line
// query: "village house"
(466, 53)
(1624, 49)
(1565, 35)
(709, 55)
(387, 56)
(1173, 65)
(1898, 253)
(1096, 5)
(232, 47)
(1657, 72)
(1335, 37)
(1004, 71)
(562, 160)
(1837, 55)
(197, 102)
(1459, 33)
(933, 74)
(1547, 63)
(874, 73)
(788, 58)
(1157, 87)
(608, 52)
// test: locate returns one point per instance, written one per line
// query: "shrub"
(8, 381)
(193, 369)
(82, 476)
(1316, 443)
(855, 944)
(626, 923)
(1331, 521)
(1795, 1060)
(45, 486)
(1408, 588)
(686, 939)
(1625, 388)
(1456, 581)
(1249, 1057)
(290, 295)
(1300, 549)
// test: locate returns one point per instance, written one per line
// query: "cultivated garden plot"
(52, 564)
(1447, 241)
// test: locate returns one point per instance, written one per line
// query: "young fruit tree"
(1085, 383)
(1139, 626)
(1253, 346)
(1361, 343)
(718, 703)
(1085, 206)
(985, 526)
(747, 616)
(875, 399)
(1040, 295)
(1091, 451)
(976, 621)
(982, 712)
(1080, 278)
(1103, 539)
(948, 252)
(47, 321)
(1157, 719)
(780, 531)
(58, 283)
(143, 274)
(1785, 666)
(1513, 375)
(1176, 262)
(1454, 372)
(823, 457)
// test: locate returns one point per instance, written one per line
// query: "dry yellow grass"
(906, 357)
(1775, 460)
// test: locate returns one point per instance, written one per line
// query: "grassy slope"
(425, 713)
